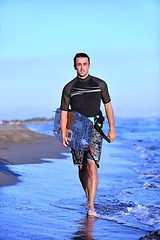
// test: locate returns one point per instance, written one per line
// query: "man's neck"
(83, 77)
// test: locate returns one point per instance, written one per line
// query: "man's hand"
(65, 141)
(112, 135)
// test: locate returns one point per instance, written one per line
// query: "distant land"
(24, 113)
(27, 121)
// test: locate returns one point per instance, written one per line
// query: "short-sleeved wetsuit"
(84, 96)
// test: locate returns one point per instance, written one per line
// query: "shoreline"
(19, 145)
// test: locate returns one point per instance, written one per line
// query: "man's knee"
(92, 168)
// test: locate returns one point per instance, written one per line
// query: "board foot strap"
(97, 127)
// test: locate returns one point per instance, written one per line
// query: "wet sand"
(18, 145)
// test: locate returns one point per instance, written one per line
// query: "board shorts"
(94, 153)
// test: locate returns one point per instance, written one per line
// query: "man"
(84, 94)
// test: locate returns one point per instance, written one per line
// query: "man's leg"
(92, 185)
(83, 176)
(89, 179)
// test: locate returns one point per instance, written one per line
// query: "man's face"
(82, 67)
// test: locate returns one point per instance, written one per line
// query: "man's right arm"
(63, 125)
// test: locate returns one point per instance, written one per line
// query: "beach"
(41, 197)
(18, 145)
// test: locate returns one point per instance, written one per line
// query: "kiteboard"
(79, 129)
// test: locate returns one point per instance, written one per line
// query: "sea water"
(49, 202)
(129, 189)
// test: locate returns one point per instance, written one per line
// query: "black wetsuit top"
(85, 95)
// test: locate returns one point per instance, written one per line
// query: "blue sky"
(40, 38)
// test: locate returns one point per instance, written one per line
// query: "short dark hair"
(80, 55)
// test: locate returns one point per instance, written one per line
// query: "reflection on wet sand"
(85, 230)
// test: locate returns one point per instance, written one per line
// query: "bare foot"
(92, 212)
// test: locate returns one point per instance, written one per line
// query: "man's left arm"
(110, 118)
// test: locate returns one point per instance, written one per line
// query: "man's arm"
(63, 125)
(110, 118)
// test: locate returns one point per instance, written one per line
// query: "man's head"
(82, 64)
